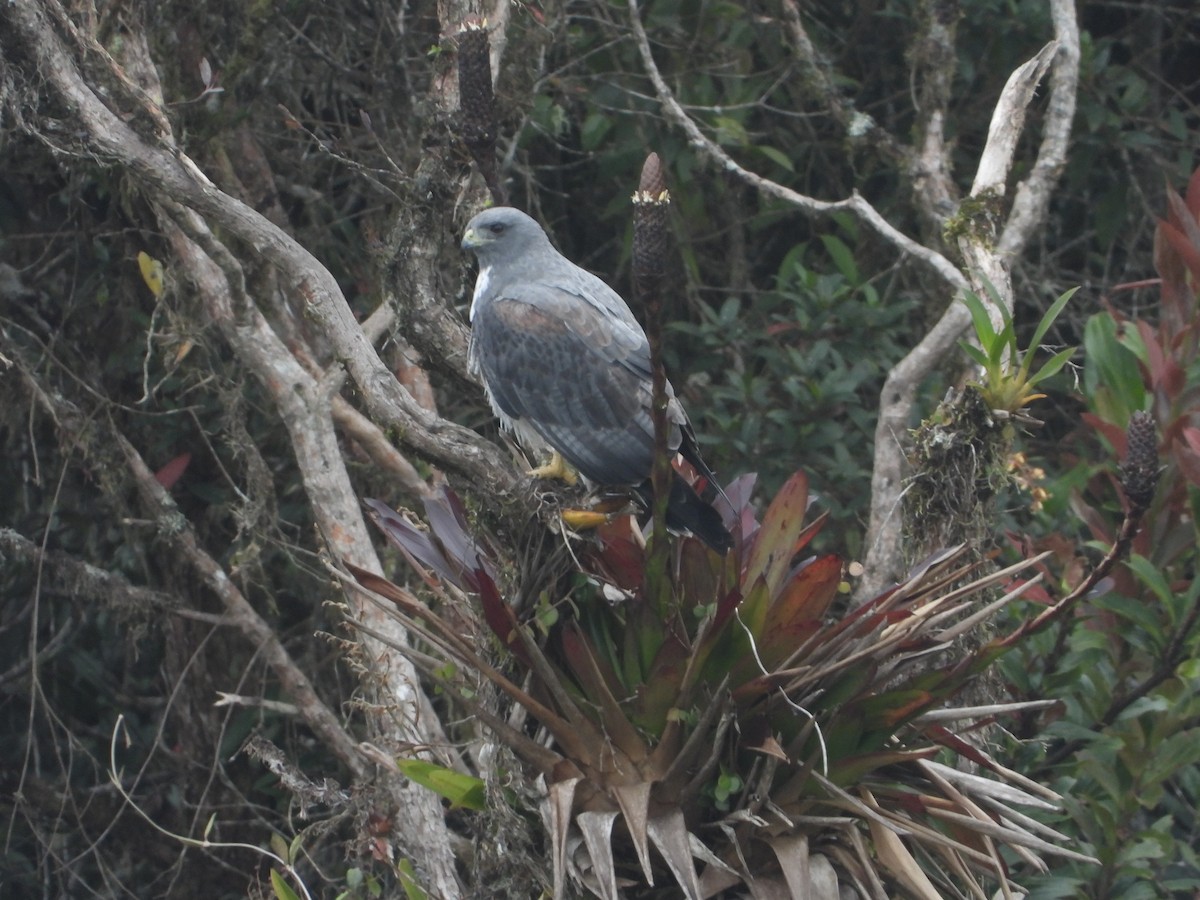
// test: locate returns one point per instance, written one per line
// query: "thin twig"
(114, 776)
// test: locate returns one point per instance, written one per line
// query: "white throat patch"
(481, 285)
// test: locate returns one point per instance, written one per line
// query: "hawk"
(566, 365)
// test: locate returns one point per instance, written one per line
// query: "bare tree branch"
(933, 75)
(304, 402)
(856, 203)
(988, 269)
(822, 87)
(1032, 198)
(368, 436)
(304, 405)
(172, 174)
(984, 264)
(174, 527)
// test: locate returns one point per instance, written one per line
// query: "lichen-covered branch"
(978, 221)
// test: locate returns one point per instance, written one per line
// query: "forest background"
(187, 433)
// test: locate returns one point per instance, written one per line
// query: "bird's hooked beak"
(474, 238)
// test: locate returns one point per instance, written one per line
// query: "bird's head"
(502, 230)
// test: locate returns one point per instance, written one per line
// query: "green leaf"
(1111, 375)
(1136, 612)
(1188, 670)
(294, 848)
(283, 890)
(778, 157)
(461, 790)
(1049, 317)
(984, 330)
(408, 881)
(977, 355)
(1179, 751)
(1144, 849)
(1005, 314)
(593, 131)
(1152, 577)
(1056, 362)
(842, 256)
(731, 132)
(993, 342)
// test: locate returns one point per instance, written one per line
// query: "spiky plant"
(749, 724)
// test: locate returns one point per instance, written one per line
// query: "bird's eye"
(497, 228)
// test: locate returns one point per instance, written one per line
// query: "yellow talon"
(556, 468)
(583, 519)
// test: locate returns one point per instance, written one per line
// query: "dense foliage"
(321, 116)
(1124, 746)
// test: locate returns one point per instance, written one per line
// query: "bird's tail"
(687, 512)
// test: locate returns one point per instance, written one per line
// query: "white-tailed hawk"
(565, 364)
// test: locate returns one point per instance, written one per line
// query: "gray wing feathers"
(578, 373)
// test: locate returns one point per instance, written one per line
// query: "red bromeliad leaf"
(1187, 252)
(593, 670)
(1187, 455)
(448, 525)
(752, 690)
(1191, 437)
(774, 546)
(1114, 434)
(414, 542)
(806, 594)
(1097, 523)
(726, 606)
(169, 474)
(660, 692)
(811, 530)
(499, 615)
(1192, 197)
(1182, 218)
(940, 735)
(1034, 593)
(889, 709)
(621, 557)
(862, 620)
(774, 649)
(406, 602)
(725, 643)
(601, 687)
(1165, 373)
(795, 615)
(447, 549)
(849, 770)
(915, 805)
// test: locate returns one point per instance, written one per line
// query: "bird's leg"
(583, 519)
(556, 468)
(601, 511)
